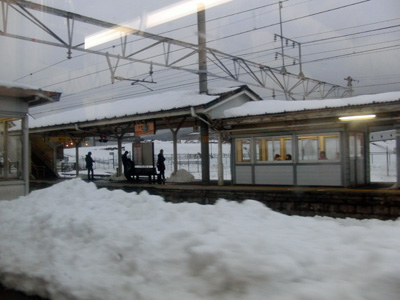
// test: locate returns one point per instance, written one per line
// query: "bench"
(135, 173)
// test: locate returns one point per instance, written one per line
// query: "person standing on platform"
(89, 165)
(161, 165)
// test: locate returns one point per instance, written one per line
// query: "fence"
(383, 162)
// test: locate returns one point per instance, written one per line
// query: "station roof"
(29, 94)
(173, 106)
(266, 107)
(277, 115)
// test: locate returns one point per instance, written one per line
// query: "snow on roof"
(26, 93)
(9, 84)
(127, 107)
(281, 106)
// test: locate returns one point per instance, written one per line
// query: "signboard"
(144, 129)
(143, 153)
(383, 135)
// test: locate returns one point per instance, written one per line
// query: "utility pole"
(201, 28)
(204, 132)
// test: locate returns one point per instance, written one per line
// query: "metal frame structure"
(293, 86)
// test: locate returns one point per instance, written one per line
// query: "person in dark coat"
(161, 165)
(125, 160)
(89, 165)
(128, 164)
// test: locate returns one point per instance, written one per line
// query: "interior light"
(158, 17)
(355, 118)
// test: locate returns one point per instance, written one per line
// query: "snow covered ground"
(74, 241)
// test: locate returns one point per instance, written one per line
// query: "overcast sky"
(338, 38)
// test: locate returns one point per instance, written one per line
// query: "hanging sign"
(144, 129)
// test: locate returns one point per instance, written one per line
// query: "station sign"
(144, 129)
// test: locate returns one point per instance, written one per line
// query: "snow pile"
(74, 241)
(181, 176)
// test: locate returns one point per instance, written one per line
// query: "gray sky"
(338, 38)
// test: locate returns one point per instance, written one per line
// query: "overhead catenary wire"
(221, 38)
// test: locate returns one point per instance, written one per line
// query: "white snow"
(126, 107)
(183, 99)
(74, 241)
(181, 176)
(19, 85)
(281, 106)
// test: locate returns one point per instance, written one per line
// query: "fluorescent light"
(158, 17)
(356, 118)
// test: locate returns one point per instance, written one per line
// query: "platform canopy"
(29, 94)
(273, 115)
(166, 110)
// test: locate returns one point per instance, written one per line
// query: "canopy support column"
(220, 161)
(119, 141)
(398, 156)
(25, 153)
(175, 140)
(205, 153)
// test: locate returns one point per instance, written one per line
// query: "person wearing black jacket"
(161, 165)
(89, 165)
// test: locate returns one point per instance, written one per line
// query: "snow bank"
(74, 241)
(181, 176)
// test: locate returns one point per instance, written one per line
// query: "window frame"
(282, 139)
(240, 153)
(320, 138)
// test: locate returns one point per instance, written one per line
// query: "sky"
(338, 39)
(74, 241)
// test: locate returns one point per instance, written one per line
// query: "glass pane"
(273, 149)
(15, 157)
(332, 147)
(360, 147)
(288, 149)
(243, 153)
(308, 148)
(11, 150)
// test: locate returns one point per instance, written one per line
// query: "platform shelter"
(15, 101)
(309, 143)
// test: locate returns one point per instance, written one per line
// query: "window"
(356, 145)
(319, 147)
(274, 149)
(243, 149)
(10, 150)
